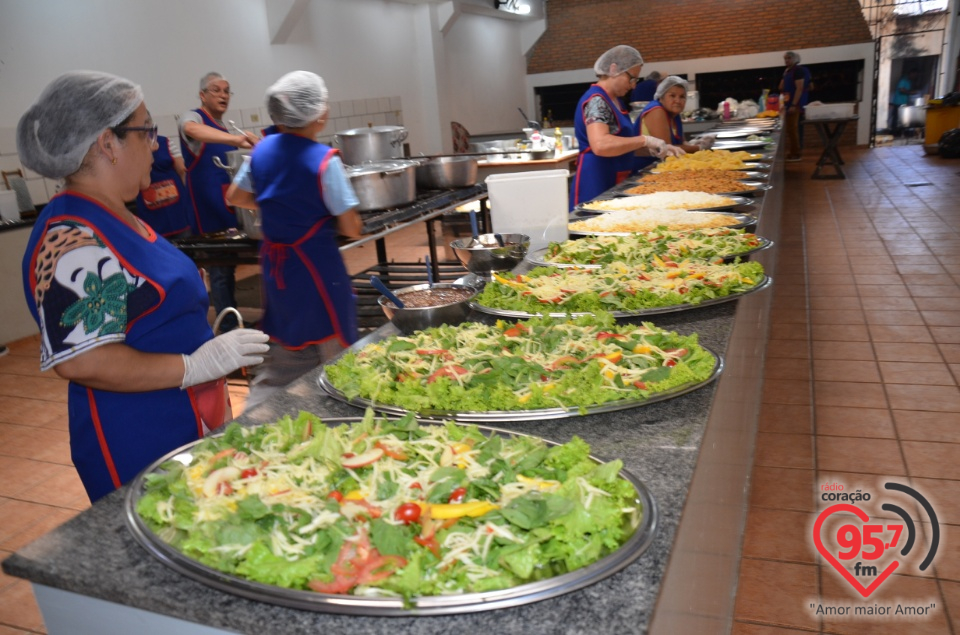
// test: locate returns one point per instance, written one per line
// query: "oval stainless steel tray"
(495, 416)
(735, 201)
(537, 256)
(737, 221)
(766, 282)
(742, 144)
(645, 529)
(752, 176)
(759, 189)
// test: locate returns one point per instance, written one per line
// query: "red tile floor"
(861, 383)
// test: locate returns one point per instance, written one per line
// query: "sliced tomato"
(451, 371)
(676, 352)
(457, 495)
(605, 335)
(640, 385)
(392, 452)
(335, 495)
(247, 473)
(516, 330)
(563, 362)
(430, 543)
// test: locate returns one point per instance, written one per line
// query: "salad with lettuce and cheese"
(535, 364)
(661, 282)
(388, 507)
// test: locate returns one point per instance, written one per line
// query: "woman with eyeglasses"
(609, 143)
(661, 118)
(122, 313)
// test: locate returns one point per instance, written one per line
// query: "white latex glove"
(224, 354)
(653, 144)
(670, 151)
(705, 142)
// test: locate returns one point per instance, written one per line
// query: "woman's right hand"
(653, 144)
(224, 354)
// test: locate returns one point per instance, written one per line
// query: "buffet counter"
(693, 453)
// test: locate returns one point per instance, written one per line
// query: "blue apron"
(114, 435)
(307, 294)
(207, 183)
(676, 131)
(596, 174)
(165, 205)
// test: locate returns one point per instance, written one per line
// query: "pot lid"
(370, 130)
(374, 167)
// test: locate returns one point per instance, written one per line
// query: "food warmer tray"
(736, 201)
(737, 220)
(495, 416)
(643, 534)
(521, 315)
(537, 256)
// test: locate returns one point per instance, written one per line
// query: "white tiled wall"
(344, 115)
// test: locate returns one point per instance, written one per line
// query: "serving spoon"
(382, 288)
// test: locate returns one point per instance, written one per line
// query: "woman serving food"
(609, 144)
(661, 118)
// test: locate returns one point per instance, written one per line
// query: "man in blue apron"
(202, 138)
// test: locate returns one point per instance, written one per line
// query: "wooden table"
(566, 160)
(830, 131)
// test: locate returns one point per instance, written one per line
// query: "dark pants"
(893, 119)
(223, 293)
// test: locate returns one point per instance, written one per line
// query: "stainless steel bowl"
(410, 319)
(487, 256)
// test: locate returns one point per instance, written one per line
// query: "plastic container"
(532, 203)
(829, 111)
(939, 120)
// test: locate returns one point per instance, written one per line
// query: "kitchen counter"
(566, 160)
(693, 452)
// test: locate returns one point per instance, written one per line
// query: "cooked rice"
(684, 199)
(643, 220)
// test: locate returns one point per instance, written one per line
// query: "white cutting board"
(533, 203)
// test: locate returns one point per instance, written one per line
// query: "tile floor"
(861, 383)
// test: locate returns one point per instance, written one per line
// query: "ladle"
(382, 288)
(429, 271)
(474, 229)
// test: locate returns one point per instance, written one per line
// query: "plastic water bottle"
(726, 110)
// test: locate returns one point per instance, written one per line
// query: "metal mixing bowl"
(487, 256)
(410, 319)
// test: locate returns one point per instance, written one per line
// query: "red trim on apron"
(101, 438)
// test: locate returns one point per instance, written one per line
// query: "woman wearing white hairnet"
(122, 313)
(609, 144)
(661, 118)
(305, 200)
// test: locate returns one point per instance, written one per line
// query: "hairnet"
(655, 75)
(669, 83)
(794, 56)
(623, 56)
(54, 135)
(297, 99)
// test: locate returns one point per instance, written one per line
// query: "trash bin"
(939, 120)
(531, 203)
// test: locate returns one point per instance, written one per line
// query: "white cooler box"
(830, 111)
(532, 203)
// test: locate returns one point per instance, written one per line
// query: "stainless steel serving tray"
(736, 201)
(537, 256)
(495, 416)
(645, 529)
(753, 176)
(751, 165)
(742, 145)
(760, 189)
(737, 221)
(763, 284)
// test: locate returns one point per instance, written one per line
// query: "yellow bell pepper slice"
(443, 511)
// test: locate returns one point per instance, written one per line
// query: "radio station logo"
(865, 551)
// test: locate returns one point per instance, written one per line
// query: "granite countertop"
(95, 555)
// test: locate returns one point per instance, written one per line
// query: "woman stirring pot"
(122, 313)
(305, 200)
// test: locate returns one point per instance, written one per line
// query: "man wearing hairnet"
(661, 118)
(203, 137)
(122, 313)
(609, 144)
(645, 90)
(794, 89)
(305, 200)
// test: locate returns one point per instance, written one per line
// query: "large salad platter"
(274, 527)
(542, 368)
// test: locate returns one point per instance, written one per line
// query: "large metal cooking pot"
(912, 116)
(383, 184)
(443, 173)
(376, 143)
(248, 220)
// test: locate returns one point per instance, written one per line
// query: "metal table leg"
(831, 155)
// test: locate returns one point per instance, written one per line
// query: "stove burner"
(376, 220)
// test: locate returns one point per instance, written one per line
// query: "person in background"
(900, 96)
(203, 137)
(661, 118)
(122, 313)
(794, 91)
(645, 90)
(305, 199)
(165, 204)
(609, 143)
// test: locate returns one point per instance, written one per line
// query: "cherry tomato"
(457, 495)
(247, 473)
(407, 513)
(416, 486)
(335, 495)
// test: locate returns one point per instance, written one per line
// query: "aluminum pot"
(376, 143)
(248, 220)
(444, 173)
(912, 116)
(383, 184)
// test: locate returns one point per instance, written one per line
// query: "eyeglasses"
(152, 131)
(633, 80)
(218, 91)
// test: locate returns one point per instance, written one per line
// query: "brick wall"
(579, 31)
